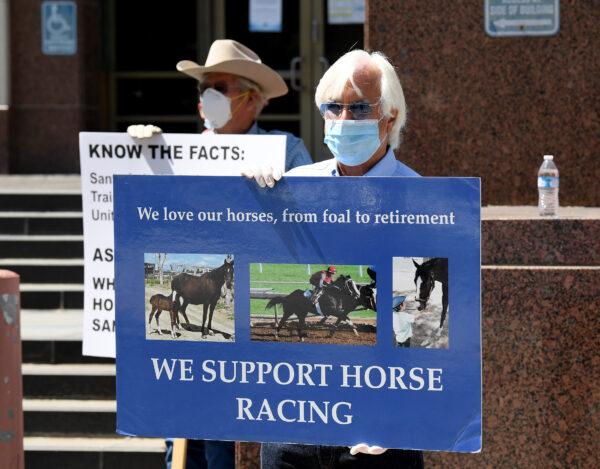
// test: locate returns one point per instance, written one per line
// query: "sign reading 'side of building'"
(522, 17)
(324, 311)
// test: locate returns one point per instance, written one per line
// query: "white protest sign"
(103, 155)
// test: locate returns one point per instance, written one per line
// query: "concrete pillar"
(11, 388)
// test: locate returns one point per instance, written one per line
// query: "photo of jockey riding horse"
(313, 303)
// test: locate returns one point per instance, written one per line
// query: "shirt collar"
(253, 130)
(384, 167)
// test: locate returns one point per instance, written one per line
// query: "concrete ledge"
(45, 214)
(530, 212)
(51, 325)
(52, 287)
(518, 236)
(68, 369)
(40, 184)
(38, 238)
(69, 405)
(102, 445)
(41, 262)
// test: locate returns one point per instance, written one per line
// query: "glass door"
(146, 40)
(281, 50)
(144, 86)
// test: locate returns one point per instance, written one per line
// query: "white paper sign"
(265, 16)
(103, 155)
(346, 11)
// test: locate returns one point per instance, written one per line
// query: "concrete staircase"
(69, 400)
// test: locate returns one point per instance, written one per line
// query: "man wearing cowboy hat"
(234, 88)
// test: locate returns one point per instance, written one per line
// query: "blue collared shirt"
(296, 153)
(386, 166)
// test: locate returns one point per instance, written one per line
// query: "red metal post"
(11, 387)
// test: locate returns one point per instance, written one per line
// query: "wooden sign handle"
(179, 453)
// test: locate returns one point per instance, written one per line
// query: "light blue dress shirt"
(386, 166)
(296, 153)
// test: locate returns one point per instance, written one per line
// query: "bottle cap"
(548, 157)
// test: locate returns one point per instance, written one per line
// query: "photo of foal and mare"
(313, 303)
(189, 296)
(421, 285)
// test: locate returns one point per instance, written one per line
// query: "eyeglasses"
(359, 110)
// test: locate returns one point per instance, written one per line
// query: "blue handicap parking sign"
(59, 28)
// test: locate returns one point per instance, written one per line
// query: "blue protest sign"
(326, 310)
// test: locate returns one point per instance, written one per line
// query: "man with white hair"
(234, 87)
(361, 99)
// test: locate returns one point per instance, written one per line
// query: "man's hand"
(263, 175)
(143, 131)
(366, 449)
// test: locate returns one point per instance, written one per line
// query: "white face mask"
(216, 108)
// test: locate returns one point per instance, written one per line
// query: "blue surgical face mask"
(352, 142)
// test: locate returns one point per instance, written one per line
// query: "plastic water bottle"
(548, 187)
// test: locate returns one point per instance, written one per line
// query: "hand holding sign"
(263, 175)
(366, 449)
(143, 131)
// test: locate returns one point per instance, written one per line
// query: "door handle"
(294, 69)
(324, 62)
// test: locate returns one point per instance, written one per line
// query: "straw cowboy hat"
(228, 56)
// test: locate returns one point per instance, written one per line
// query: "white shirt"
(402, 324)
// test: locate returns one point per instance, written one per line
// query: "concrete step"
(114, 444)
(69, 417)
(68, 369)
(57, 352)
(44, 184)
(40, 193)
(45, 270)
(52, 299)
(51, 287)
(99, 453)
(37, 202)
(41, 222)
(51, 325)
(32, 246)
(69, 381)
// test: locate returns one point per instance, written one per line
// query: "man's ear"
(392, 120)
(200, 109)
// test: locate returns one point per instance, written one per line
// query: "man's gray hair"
(334, 81)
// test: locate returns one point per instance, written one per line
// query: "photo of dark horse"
(427, 273)
(338, 299)
(162, 303)
(202, 289)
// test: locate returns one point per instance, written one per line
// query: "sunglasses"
(220, 86)
(359, 111)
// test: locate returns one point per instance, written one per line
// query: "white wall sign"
(103, 155)
(346, 11)
(59, 28)
(265, 16)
